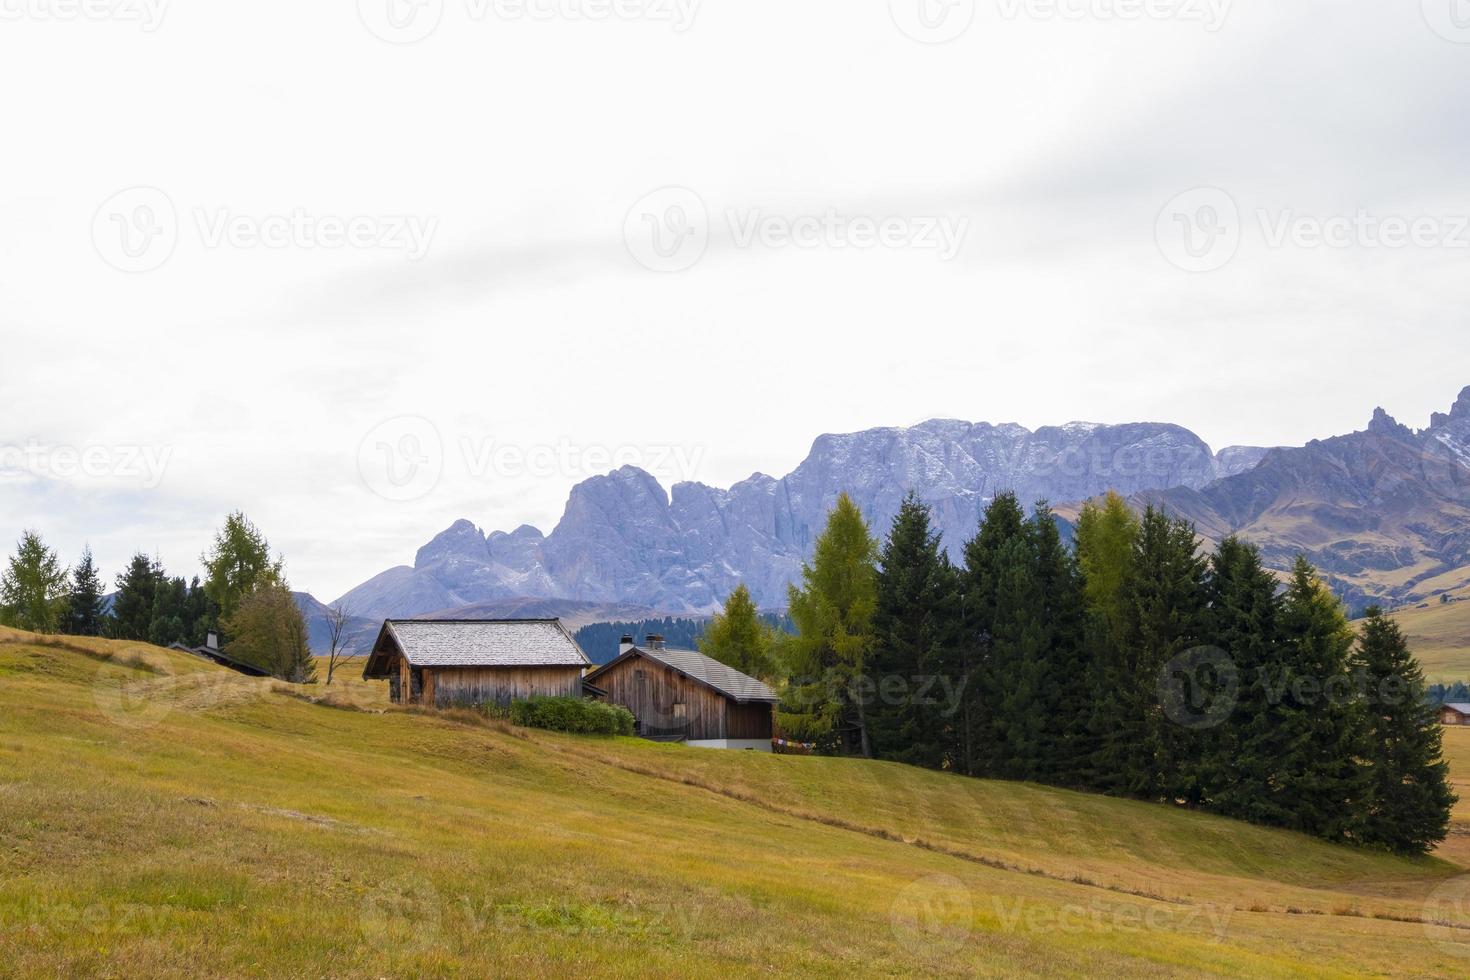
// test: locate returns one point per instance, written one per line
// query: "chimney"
(212, 641)
(654, 641)
(625, 644)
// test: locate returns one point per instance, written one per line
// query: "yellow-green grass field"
(1439, 635)
(160, 816)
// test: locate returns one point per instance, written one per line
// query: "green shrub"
(575, 715)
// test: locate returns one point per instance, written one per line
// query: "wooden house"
(470, 662)
(682, 695)
(1455, 713)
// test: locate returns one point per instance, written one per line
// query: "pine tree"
(238, 563)
(1143, 752)
(33, 588)
(1067, 697)
(202, 615)
(1106, 537)
(170, 608)
(738, 638)
(1323, 778)
(1409, 800)
(132, 607)
(913, 664)
(1001, 614)
(833, 612)
(85, 606)
(1241, 772)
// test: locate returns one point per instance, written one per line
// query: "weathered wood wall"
(456, 686)
(666, 703)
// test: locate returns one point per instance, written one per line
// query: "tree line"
(244, 598)
(1129, 663)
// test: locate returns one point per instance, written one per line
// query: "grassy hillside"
(1439, 635)
(161, 817)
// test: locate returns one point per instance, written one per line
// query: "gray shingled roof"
(727, 680)
(1459, 706)
(486, 643)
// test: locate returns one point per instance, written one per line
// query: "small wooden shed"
(682, 695)
(471, 662)
(1454, 713)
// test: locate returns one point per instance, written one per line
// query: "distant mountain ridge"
(623, 539)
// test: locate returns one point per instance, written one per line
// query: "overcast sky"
(362, 269)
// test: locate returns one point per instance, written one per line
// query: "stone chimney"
(654, 641)
(212, 640)
(625, 644)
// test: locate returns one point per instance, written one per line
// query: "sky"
(360, 269)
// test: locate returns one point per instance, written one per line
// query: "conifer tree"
(738, 638)
(1409, 798)
(913, 665)
(1142, 751)
(33, 588)
(85, 605)
(170, 608)
(833, 613)
(1067, 698)
(132, 607)
(1321, 766)
(1240, 772)
(1001, 621)
(239, 562)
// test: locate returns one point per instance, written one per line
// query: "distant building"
(1455, 713)
(211, 651)
(682, 695)
(473, 662)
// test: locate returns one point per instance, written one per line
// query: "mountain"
(623, 539)
(1384, 513)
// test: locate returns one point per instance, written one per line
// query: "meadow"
(162, 817)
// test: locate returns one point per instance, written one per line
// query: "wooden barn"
(682, 695)
(467, 662)
(1454, 713)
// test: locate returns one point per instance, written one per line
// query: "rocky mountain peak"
(1384, 424)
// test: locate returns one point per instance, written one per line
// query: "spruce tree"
(1106, 537)
(1001, 623)
(738, 638)
(170, 609)
(1409, 800)
(913, 665)
(1241, 773)
(1321, 771)
(1067, 697)
(1142, 751)
(833, 613)
(85, 606)
(132, 607)
(33, 588)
